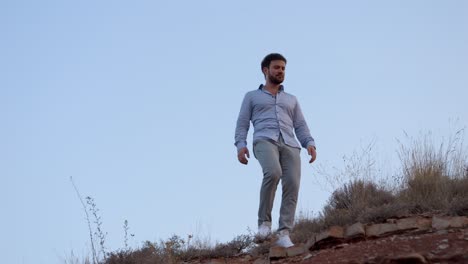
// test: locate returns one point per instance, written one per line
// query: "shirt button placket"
(277, 115)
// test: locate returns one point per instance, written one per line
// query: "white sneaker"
(264, 231)
(284, 240)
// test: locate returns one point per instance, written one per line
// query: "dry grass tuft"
(434, 178)
(176, 250)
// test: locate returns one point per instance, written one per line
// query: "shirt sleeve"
(301, 129)
(243, 123)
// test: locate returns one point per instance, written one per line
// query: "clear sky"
(138, 100)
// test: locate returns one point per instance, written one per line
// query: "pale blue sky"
(137, 100)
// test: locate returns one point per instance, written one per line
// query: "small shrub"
(458, 206)
(175, 250)
(349, 203)
(358, 195)
(234, 247)
(379, 214)
(459, 202)
(150, 253)
(340, 217)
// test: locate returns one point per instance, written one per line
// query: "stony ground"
(446, 246)
(445, 240)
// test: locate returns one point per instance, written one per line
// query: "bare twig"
(91, 237)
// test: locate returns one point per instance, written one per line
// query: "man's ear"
(265, 71)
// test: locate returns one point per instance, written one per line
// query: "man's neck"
(272, 88)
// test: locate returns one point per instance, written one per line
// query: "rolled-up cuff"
(241, 145)
(311, 143)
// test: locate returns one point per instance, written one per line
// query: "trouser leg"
(267, 155)
(290, 180)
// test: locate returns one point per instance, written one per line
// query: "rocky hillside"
(412, 239)
(420, 215)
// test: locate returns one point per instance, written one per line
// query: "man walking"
(276, 117)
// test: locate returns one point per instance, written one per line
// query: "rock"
(443, 246)
(341, 246)
(459, 221)
(332, 233)
(380, 229)
(411, 223)
(310, 243)
(439, 222)
(308, 256)
(413, 258)
(354, 231)
(277, 252)
(445, 222)
(442, 232)
(295, 250)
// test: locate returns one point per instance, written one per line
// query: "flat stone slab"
(414, 223)
(355, 230)
(333, 232)
(444, 222)
(440, 222)
(377, 230)
(310, 242)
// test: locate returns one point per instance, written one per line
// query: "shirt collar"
(281, 88)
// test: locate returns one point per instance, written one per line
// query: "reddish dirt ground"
(446, 246)
(437, 247)
(440, 247)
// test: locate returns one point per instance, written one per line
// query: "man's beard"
(276, 79)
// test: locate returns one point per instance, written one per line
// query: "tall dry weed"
(433, 176)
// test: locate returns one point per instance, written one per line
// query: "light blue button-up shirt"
(271, 116)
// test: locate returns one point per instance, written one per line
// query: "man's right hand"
(242, 155)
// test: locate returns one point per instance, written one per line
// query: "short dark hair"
(271, 57)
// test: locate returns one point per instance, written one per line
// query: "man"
(276, 117)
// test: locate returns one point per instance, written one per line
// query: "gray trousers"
(279, 162)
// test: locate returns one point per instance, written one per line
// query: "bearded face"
(276, 79)
(275, 73)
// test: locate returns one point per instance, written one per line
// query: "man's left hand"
(312, 152)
